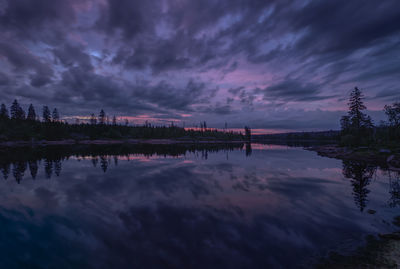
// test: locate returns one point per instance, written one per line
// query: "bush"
(348, 140)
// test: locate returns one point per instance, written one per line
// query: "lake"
(175, 206)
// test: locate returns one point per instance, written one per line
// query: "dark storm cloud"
(22, 60)
(343, 26)
(131, 17)
(39, 20)
(70, 55)
(4, 80)
(91, 89)
(169, 57)
(292, 90)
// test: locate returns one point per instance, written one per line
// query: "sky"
(271, 65)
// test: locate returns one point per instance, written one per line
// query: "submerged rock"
(371, 211)
(394, 160)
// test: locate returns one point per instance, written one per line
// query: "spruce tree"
(358, 119)
(102, 117)
(93, 120)
(4, 112)
(15, 108)
(247, 132)
(46, 114)
(55, 115)
(31, 113)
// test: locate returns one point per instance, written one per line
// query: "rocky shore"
(383, 157)
(382, 251)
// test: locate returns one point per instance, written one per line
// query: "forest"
(17, 125)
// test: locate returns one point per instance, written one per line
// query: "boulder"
(393, 160)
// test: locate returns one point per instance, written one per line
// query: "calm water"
(173, 207)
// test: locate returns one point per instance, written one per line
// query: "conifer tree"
(358, 119)
(247, 132)
(46, 114)
(93, 120)
(14, 110)
(102, 117)
(55, 115)
(4, 112)
(31, 113)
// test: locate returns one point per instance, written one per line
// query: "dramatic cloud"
(267, 64)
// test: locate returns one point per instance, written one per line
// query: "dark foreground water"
(177, 207)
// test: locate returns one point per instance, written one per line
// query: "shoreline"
(383, 157)
(66, 142)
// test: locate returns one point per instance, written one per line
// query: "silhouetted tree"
(4, 112)
(46, 114)
(55, 115)
(247, 133)
(93, 120)
(393, 114)
(102, 117)
(345, 124)
(126, 122)
(31, 113)
(358, 120)
(17, 113)
(114, 121)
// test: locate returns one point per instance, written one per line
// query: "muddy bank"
(112, 142)
(382, 157)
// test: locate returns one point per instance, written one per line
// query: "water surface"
(263, 206)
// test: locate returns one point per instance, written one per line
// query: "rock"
(371, 211)
(393, 236)
(396, 221)
(393, 160)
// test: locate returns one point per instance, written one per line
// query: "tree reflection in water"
(18, 160)
(394, 183)
(360, 174)
(53, 156)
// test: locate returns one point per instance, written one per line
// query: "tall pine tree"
(17, 113)
(4, 112)
(31, 113)
(102, 117)
(46, 114)
(358, 120)
(56, 116)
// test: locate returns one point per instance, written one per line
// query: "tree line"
(19, 125)
(18, 113)
(357, 128)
